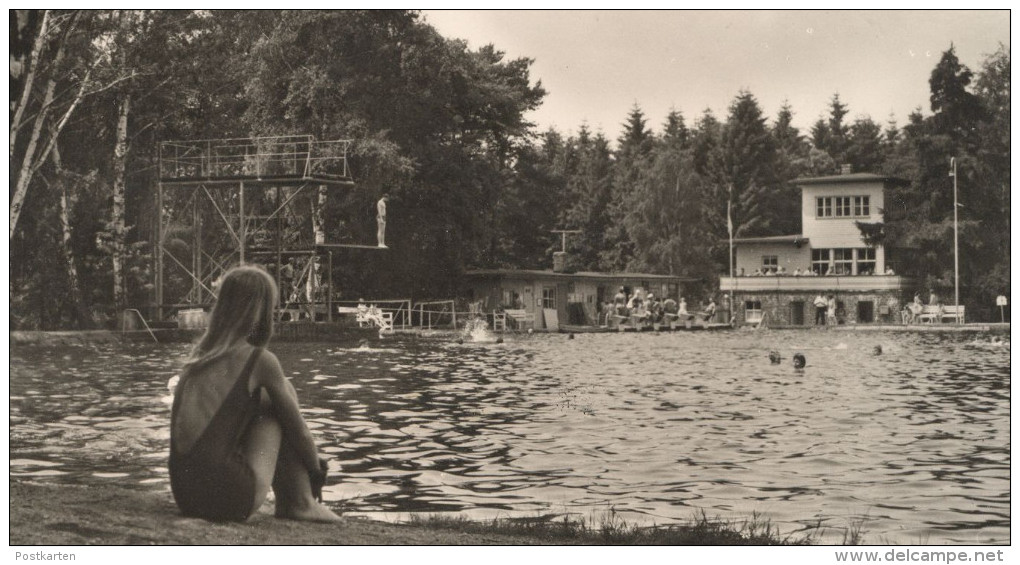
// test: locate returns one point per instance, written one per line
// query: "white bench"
(957, 313)
(521, 317)
(933, 314)
(938, 314)
(370, 317)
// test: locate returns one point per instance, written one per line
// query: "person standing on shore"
(709, 312)
(620, 302)
(821, 305)
(235, 427)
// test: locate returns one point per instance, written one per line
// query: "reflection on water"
(914, 442)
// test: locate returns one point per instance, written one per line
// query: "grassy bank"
(607, 529)
(49, 514)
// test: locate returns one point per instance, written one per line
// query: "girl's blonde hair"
(243, 311)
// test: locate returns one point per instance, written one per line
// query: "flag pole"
(956, 242)
(729, 228)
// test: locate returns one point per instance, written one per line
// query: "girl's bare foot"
(313, 512)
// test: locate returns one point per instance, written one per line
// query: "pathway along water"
(914, 443)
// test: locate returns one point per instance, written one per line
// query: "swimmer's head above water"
(799, 361)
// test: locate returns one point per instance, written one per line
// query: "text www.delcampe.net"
(920, 556)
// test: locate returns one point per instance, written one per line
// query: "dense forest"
(443, 130)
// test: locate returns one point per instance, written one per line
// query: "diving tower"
(222, 202)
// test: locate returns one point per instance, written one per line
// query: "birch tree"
(67, 202)
(46, 64)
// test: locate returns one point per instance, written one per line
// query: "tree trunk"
(26, 92)
(25, 174)
(31, 161)
(117, 230)
(82, 311)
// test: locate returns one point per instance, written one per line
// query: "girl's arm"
(269, 375)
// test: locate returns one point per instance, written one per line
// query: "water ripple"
(914, 443)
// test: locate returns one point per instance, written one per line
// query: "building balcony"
(841, 283)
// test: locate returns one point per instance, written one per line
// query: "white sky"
(596, 64)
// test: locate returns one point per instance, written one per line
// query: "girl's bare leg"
(276, 465)
(262, 450)
(294, 490)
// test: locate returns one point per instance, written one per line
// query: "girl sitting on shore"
(235, 426)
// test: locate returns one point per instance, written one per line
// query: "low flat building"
(778, 278)
(576, 297)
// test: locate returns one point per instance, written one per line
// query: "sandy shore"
(47, 514)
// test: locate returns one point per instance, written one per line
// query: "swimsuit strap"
(213, 425)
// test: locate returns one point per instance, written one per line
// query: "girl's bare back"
(202, 395)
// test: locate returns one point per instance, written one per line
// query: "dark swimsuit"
(213, 479)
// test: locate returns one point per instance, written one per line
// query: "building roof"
(851, 178)
(795, 239)
(549, 274)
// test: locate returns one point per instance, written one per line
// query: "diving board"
(348, 246)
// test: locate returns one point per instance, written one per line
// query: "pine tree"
(674, 131)
(957, 111)
(749, 161)
(820, 135)
(633, 148)
(792, 161)
(839, 131)
(788, 138)
(864, 150)
(589, 189)
(707, 140)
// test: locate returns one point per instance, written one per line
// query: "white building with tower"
(828, 257)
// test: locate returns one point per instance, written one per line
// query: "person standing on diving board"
(380, 219)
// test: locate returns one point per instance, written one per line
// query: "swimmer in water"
(799, 361)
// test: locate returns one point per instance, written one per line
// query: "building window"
(842, 206)
(769, 263)
(843, 261)
(752, 311)
(862, 206)
(823, 207)
(549, 297)
(866, 261)
(820, 261)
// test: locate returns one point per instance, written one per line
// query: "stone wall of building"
(852, 307)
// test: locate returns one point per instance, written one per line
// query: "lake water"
(912, 444)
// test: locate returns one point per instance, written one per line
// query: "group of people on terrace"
(643, 307)
(828, 271)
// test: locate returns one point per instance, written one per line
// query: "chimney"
(560, 257)
(559, 261)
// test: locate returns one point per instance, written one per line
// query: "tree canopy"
(444, 130)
